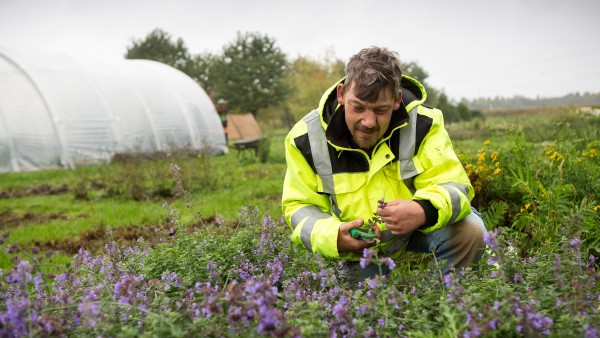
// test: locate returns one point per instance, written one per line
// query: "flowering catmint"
(213, 271)
(490, 239)
(90, 312)
(473, 330)
(590, 331)
(367, 257)
(171, 279)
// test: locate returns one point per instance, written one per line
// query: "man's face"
(367, 121)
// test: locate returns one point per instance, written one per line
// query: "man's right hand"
(346, 243)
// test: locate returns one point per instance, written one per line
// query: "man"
(371, 138)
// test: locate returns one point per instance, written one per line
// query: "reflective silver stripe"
(318, 147)
(408, 139)
(454, 200)
(461, 187)
(307, 211)
(320, 155)
(308, 226)
(396, 245)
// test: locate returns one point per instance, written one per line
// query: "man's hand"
(346, 243)
(402, 217)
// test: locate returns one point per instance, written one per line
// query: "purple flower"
(517, 278)
(90, 312)
(338, 310)
(490, 239)
(16, 314)
(367, 257)
(448, 280)
(389, 262)
(590, 331)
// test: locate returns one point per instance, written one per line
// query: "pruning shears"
(368, 236)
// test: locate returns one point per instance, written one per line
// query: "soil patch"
(9, 219)
(44, 189)
(93, 240)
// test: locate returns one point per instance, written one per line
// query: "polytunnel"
(60, 110)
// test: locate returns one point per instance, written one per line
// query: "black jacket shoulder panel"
(424, 124)
(303, 144)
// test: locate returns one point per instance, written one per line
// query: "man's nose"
(369, 119)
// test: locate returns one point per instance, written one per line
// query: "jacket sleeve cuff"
(431, 213)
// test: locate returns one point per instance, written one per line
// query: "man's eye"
(380, 111)
(359, 109)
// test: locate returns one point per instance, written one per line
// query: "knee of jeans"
(475, 229)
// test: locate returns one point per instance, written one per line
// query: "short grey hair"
(371, 70)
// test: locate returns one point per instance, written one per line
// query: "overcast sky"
(471, 48)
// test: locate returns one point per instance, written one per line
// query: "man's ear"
(340, 94)
(398, 100)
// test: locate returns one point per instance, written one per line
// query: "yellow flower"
(497, 171)
(592, 153)
(596, 208)
(487, 142)
(527, 205)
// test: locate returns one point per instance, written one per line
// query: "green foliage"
(250, 73)
(310, 79)
(414, 70)
(201, 69)
(157, 46)
(541, 191)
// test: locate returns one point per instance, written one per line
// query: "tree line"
(252, 74)
(520, 102)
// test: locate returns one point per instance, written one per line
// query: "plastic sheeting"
(59, 110)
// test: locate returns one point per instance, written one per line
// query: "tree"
(250, 73)
(463, 112)
(415, 71)
(201, 69)
(447, 108)
(158, 46)
(310, 79)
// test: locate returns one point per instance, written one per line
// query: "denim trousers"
(454, 246)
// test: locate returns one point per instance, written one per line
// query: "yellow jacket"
(328, 183)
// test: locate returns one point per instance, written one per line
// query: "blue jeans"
(454, 246)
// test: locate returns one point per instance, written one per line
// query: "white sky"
(471, 48)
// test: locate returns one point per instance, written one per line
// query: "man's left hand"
(402, 217)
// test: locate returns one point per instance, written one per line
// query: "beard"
(365, 139)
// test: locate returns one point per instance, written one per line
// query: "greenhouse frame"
(59, 110)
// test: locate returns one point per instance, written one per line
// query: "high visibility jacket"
(328, 182)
